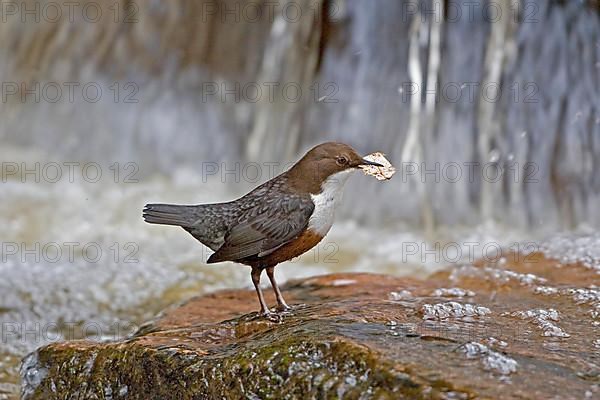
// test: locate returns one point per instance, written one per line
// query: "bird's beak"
(367, 162)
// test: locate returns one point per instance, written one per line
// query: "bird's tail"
(170, 214)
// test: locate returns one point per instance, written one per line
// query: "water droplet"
(452, 292)
(343, 282)
(494, 156)
(497, 342)
(545, 290)
(401, 295)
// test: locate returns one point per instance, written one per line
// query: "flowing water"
(477, 169)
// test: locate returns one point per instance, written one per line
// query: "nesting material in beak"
(378, 166)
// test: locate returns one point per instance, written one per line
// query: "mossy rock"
(353, 336)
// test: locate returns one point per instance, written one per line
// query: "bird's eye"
(342, 160)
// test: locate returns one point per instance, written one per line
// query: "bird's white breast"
(325, 202)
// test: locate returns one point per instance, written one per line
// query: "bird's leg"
(256, 272)
(281, 304)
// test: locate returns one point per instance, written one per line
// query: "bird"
(275, 222)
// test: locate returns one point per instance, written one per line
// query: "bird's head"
(328, 162)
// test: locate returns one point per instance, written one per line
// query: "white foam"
(544, 319)
(453, 310)
(570, 248)
(491, 359)
(452, 292)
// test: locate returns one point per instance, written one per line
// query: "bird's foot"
(283, 308)
(278, 313)
(270, 316)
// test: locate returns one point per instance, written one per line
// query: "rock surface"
(523, 327)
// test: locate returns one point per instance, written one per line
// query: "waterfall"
(489, 110)
(411, 79)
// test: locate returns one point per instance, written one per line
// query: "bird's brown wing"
(264, 228)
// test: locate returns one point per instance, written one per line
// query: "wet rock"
(514, 328)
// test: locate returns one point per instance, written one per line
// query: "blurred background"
(490, 110)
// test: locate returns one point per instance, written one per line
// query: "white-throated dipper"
(279, 220)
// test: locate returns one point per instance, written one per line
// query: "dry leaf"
(381, 173)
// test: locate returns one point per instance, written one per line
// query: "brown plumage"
(279, 220)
